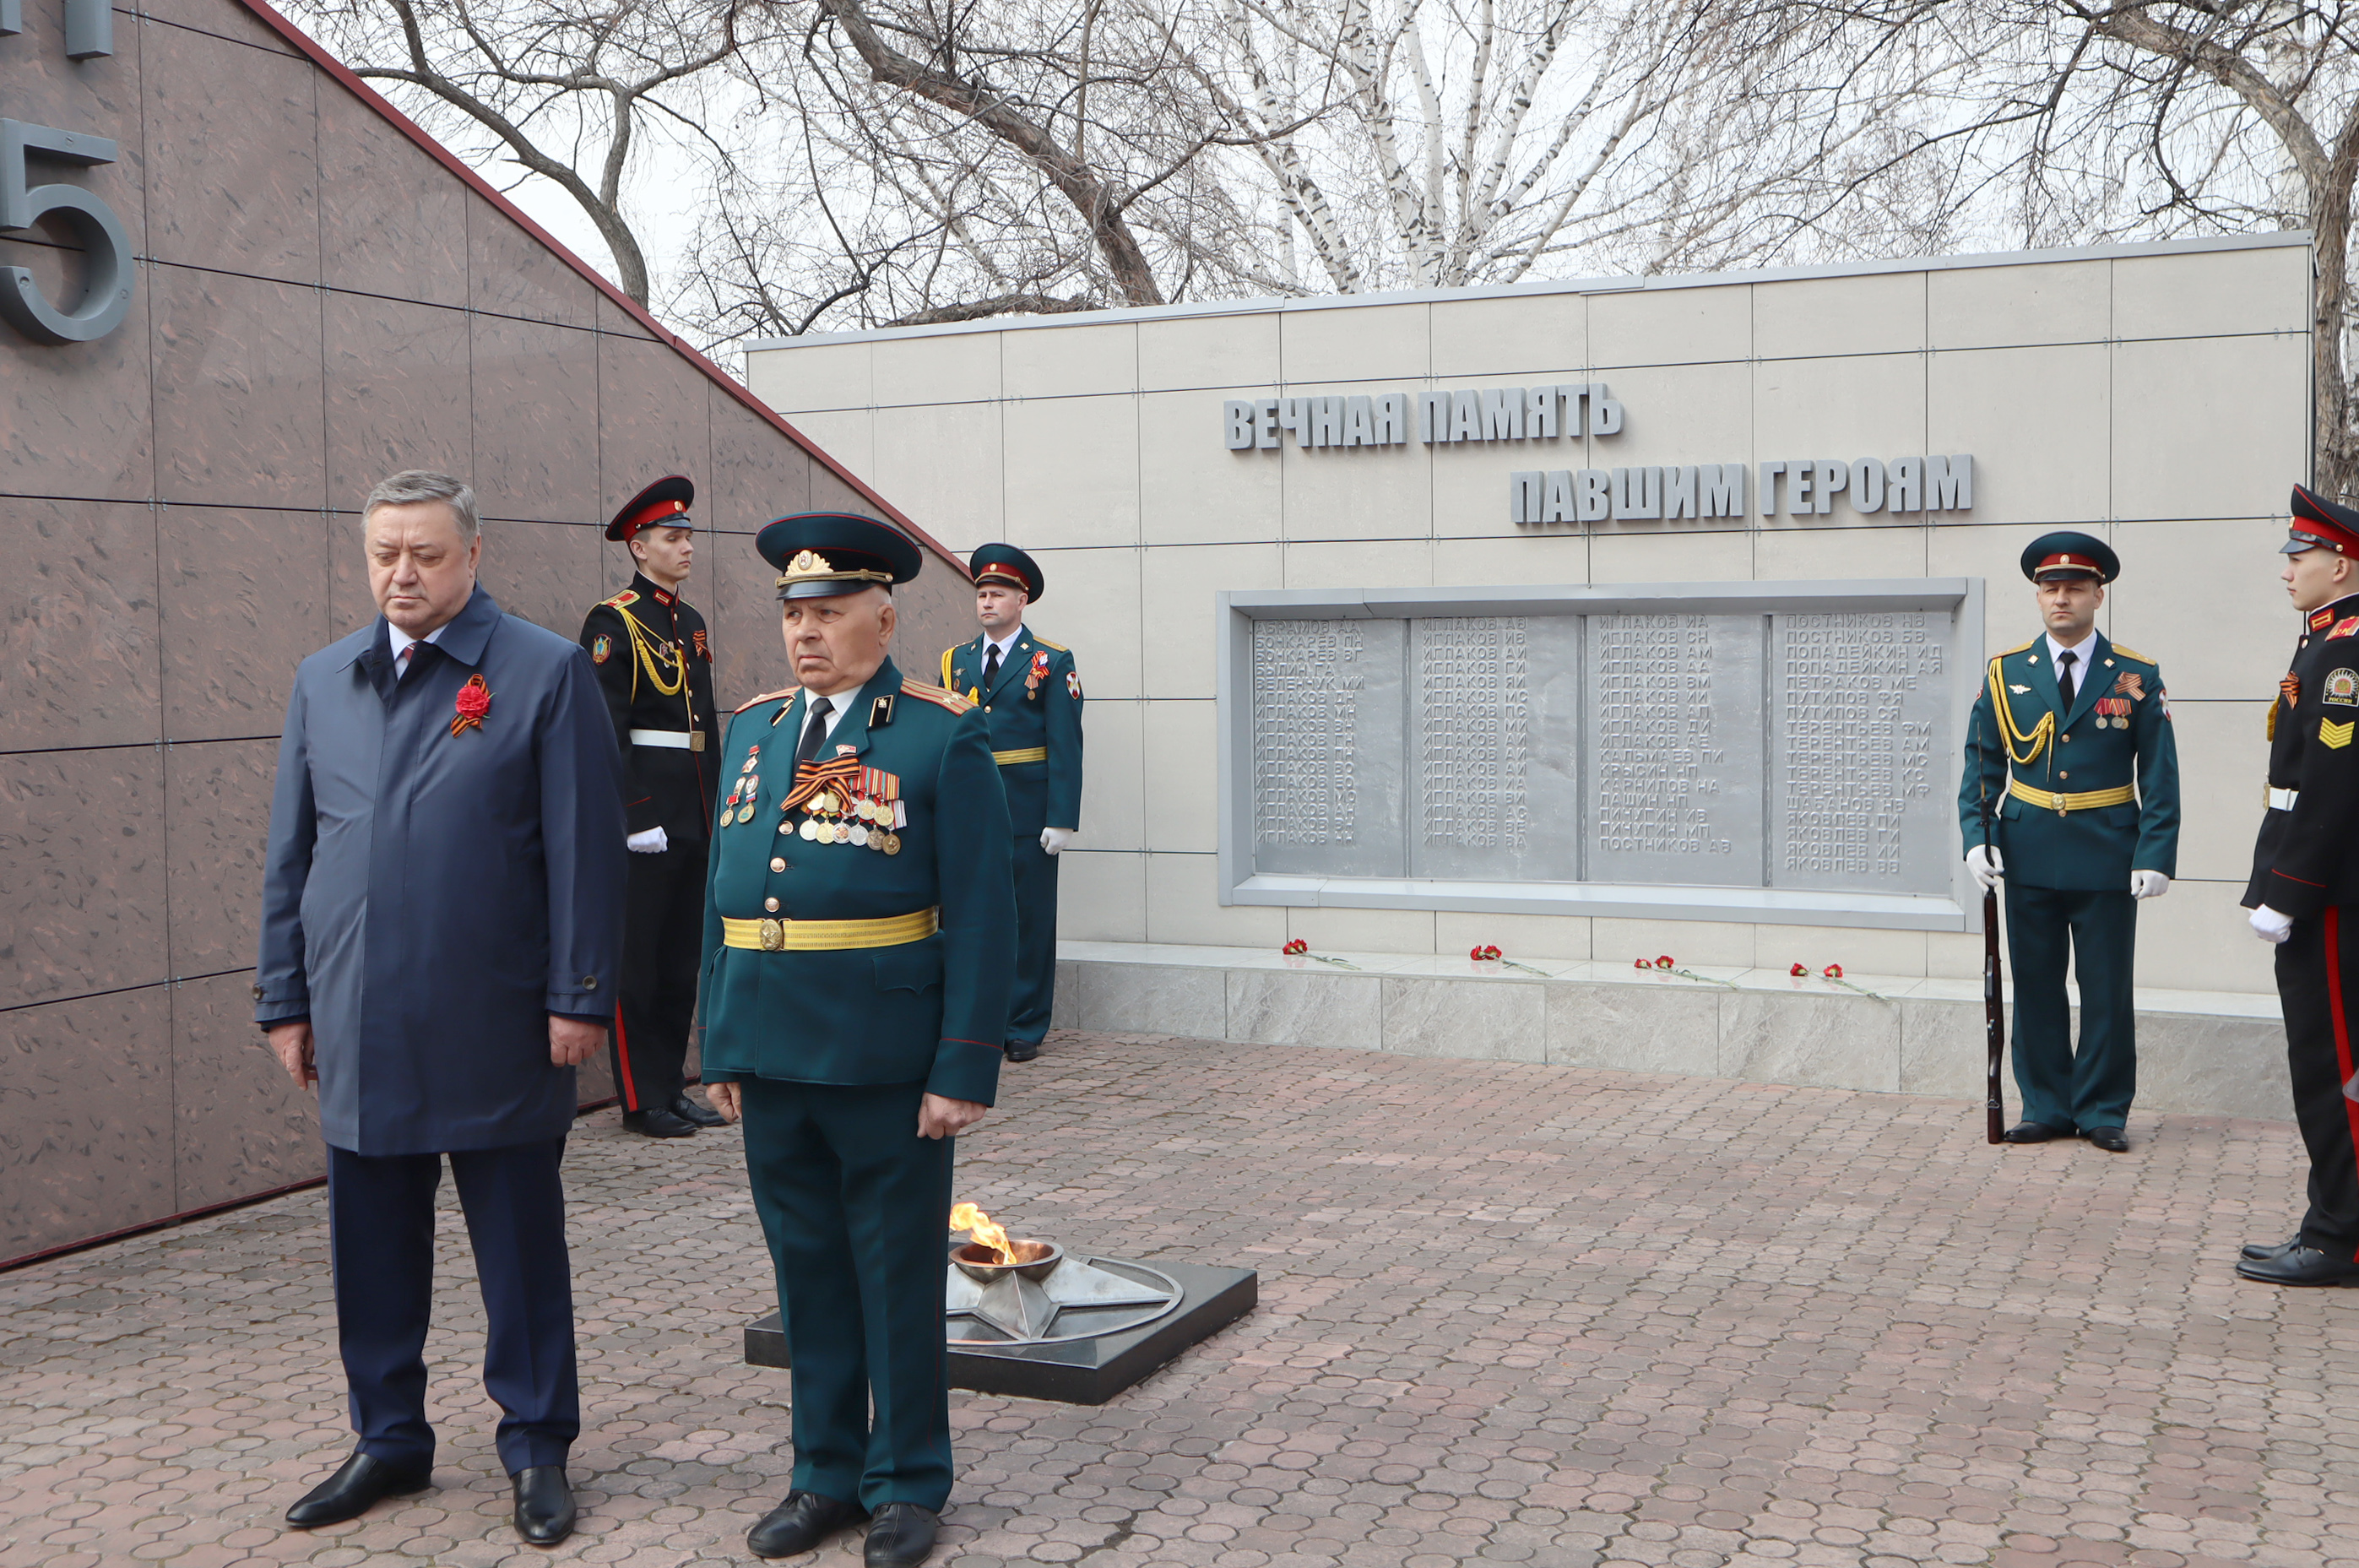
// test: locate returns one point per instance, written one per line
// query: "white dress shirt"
(2083, 651)
(400, 641)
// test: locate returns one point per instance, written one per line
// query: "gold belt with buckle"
(2061, 802)
(775, 935)
(1022, 754)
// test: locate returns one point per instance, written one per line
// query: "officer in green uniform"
(1031, 693)
(2065, 725)
(859, 933)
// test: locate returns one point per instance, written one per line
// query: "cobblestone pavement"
(1520, 1314)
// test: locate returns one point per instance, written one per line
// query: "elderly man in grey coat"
(442, 919)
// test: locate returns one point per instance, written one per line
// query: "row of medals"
(824, 823)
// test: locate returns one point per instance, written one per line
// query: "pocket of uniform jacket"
(911, 966)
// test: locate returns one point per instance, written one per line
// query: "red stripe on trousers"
(2341, 1027)
(631, 1090)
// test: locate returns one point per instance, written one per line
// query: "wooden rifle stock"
(1994, 1019)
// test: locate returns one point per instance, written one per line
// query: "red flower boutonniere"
(473, 702)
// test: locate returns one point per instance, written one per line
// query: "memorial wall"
(1405, 498)
(310, 295)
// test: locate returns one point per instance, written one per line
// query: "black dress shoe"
(688, 1110)
(2113, 1140)
(544, 1505)
(362, 1482)
(2262, 1251)
(2032, 1132)
(798, 1524)
(1021, 1050)
(902, 1536)
(657, 1123)
(2300, 1265)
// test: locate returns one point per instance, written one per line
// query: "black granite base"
(1081, 1371)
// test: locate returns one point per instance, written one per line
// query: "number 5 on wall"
(107, 288)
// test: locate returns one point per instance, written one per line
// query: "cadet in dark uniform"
(859, 935)
(1029, 690)
(2305, 887)
(2064, 726)
(653, 658)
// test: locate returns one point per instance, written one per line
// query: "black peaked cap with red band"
(2070, 553)
(2321, 524)
(1005, 564)
(662, 505)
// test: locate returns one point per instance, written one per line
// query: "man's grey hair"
(414, 484)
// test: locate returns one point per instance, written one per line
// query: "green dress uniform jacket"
(1035, 713)
(926, 1009)
(2089, 846)
(2077, 799)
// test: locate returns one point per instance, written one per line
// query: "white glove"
(652, 842)
(1984, 862)
(1054, 840)
(2271, 925)
(2148, 884)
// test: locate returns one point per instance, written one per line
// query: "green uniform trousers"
(856, 1209)
(1034, 993)
(2067, 1090)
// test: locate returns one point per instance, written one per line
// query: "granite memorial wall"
(1774, 752)
(1913, 422)
(311, 294)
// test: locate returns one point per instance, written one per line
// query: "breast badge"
(2341, 689)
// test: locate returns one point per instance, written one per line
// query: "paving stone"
(1508, 1313)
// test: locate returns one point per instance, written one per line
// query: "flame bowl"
(1034, 1259)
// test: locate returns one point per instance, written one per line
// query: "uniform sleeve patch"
(2341, 689)
(1073, 683)
(2335, 736)
(703, 648)
(602, 648)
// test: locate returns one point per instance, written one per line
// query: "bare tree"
(2044, 122)
(566, 90)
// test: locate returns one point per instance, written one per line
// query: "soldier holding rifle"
(2071, 738)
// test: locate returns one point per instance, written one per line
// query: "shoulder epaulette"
(941, 697)
(947, 655)
(626, 597)
(1053, 647)
(771, 696)
(2133, 653)
(2019, 647)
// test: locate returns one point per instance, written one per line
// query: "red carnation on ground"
(1799, 969)
(1296, 948)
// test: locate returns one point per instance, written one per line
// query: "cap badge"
(807, 561)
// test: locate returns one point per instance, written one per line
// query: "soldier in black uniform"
(655, 660)
(2305, 890)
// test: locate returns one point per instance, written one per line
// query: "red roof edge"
(320, 57)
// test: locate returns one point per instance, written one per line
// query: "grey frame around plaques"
(1707, 698)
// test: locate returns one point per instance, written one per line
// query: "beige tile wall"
(2157, 398)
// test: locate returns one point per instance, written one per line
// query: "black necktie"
(991, 668)
(814, 732)
(2064, 662)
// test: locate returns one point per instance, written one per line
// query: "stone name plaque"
(1759, 751)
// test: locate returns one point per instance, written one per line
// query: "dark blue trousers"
(2063, 1088)
(856, 1208)
(381, 1235)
